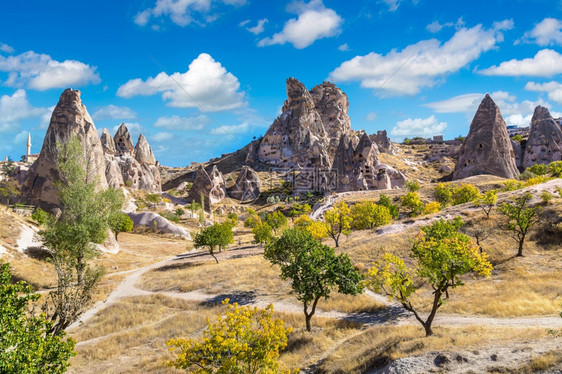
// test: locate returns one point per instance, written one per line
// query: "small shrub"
(392, 208)
(40, 216)
(413, 185)
(412, 200)
(432, 207)
(443, 193)
(153, 198)
(263, 234)
(252, 221)
(170, 216)
(465, 194)
(555, 169)
(232, 216)
(368, 215)
(512, 185)
(517, 138)
(536, 180)
(179, 212)
(526, 175)
(538, 169)
(546, 197)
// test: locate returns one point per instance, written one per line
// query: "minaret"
(28, 145)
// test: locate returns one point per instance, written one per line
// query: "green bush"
(413, 185)
(120, 222)
(179, 212)
(40, 216)
(252, 220)
(538, 169)
(170, 216)
(443, 194)
(232, 216)
(276, 220)
(153, 198)
(412, 200)
(517, 138)
(555, 169)
(526, 175)
(392, 208)
(368, 215)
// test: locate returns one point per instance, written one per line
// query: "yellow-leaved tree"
(243, 340)
(443, 255)
(338, 220)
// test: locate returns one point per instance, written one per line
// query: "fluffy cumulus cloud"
(553, 89)
(457, 104)
(314, 21)
(163, 137)
(16, 107)
(182, 123)
(184, 12)
(545, 33)
(205, 85)
(545, 63)
(420, 65)
(41, 72)
(6, 48)
(419, 127)
(113, 112)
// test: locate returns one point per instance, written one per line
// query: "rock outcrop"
(156, 222)
(70, 118)
(247, 186)
(134, 167)
(487, 148)
(545, 141)
(209, 186)
(383, 142)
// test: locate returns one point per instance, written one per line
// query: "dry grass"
(378, 345)
(541, 363)
(249, 275)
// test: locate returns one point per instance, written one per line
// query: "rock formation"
(487, 148)
(156, 222)
(209, 186)
(134, 167)
(545, 141)
(247, 186)
(383, 142)
(70, 118)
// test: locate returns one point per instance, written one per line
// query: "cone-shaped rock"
(70, 118)
(123, 141)
(107, 143)
(211, 186)
(143, 152)
(247, 186)
(545, 141)
(487, 148)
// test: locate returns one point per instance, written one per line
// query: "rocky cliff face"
(123, 142)
(70, 118)
(247, 186)
(487, 148)
(545, 141)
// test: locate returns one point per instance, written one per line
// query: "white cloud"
(371, 116)
(182, 123)
(545, 33)
(205, 84)
(258, 29)
(6, 48)
(457, 104)
(553, 89)
(419, 127)
(184, 12)
(244, 23)
(232, 129)
(545, 63)
(314, 22)
(343, 48)
(392, 4)
(113, 112)
(21, 137)
(135, 129)
(15, 108)
(41, 72)
(162, 136)
(434, 27)
(418, 65)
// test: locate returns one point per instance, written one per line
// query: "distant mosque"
(29, 158)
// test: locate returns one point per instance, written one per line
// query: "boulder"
(70, 118)
(157, 223)
(487, 148)
(545, 141)
(247, 186)
(209, 186)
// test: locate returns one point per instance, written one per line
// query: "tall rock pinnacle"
(487, 148)
(545, 141)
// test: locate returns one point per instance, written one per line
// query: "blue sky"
(203, 77)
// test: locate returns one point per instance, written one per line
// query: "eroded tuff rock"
(107, 143)
(383, 142)
(123, 141)
(247, 186)
(487, 148)
(545, 141)
(132, 167)
(70, 118)
(211, 186)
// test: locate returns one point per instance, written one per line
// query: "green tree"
(9, 168)
(83, 222)
(313, 268)
(298, 210)
(520, 218)
(243, 340)
(538, 169)
(412, 200)
(413, 185)
(120, 222)
(442, 254)
(555, 169)
(392, 208)
(465, 194)
(26, 347)
(338, 221)
(443, 194)
(216, 236)
(368, 215)
(40, 216)
(263, 233)
(487, 201)
(252, 220)
(9, 189)
(276, 220)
